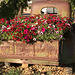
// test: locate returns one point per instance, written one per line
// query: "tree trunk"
(20, 11)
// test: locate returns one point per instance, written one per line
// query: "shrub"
(13, 71)
(36, 28)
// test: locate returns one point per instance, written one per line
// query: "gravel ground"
(38, 70)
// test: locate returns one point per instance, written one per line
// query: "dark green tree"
(10, 8)
(72, 6)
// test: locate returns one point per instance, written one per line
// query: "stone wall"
(37, 53)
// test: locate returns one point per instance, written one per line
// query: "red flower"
(54, 18)
(21, 34)
(55, 29)
(49, 29)
(25, 37)
(60, 25)
(27, 26)
(58, 19)
(60, 28)
(43, 29)
(23, 41)
(2, 19)
(7, 26)
(51, 15)
(32, 28)
(25, 31)
(18, 40)
(46, 27)
(8, 33)
(7, 22)
(5, 30)
(11, 33)
(28, 40)
(30, 37)
(34, 33)
(27, 34)
(50, 26)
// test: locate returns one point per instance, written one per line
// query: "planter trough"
(46, 53)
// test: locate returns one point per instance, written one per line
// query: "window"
(49, 10)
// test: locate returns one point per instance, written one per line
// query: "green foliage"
(72, 6)
(10, 8)
(35, 28)
(13, 72)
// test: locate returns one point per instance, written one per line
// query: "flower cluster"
(3, 22)
(36, 28)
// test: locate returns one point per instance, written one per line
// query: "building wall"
(63, 7)
(47, 0)
(27, 10)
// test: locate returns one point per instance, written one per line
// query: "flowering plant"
(36, 28)
(3, 22)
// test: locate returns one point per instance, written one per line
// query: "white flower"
(34, 39)
(57, 31)
(3, 26)
(31, 25)
(68, 24)
(38, 32)
(10, 22)
(65, 20)
(36, 23)
(48, 26)
(8, 28)
(38, 26)
(45, 13)
(61, 36)
(22, 20)
(41, 32)
(53, 26)
(45, 21)
(36, 17)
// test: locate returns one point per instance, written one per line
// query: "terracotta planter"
(37, 53)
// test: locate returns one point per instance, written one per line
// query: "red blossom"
(18, 39)
(49, 21)
(55, 29)
(51, 15)
(32, 28)
(25, 37)
(7, 22)
(8, 26)
(2, 19)
(28, 40)
(60, 29)
(25, 31)
(27, 26)
(34, 33)
(46, 27)
(5, 30)
(30, 37)
(43, 29)
(23, 41)
(21, 34)
(49, 29)
(50, 26)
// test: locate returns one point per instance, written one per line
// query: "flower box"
(30, 35)
(40, 52)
